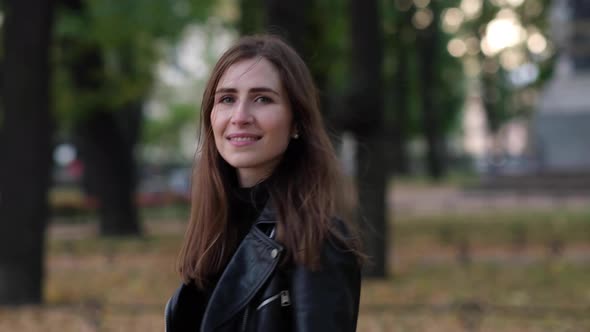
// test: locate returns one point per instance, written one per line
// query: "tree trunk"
(107, 149)
(26, 130)
(401, 91)
(372, 181)
(106, 140)
(288, 18)
(367, 124)
(297, 22)
(428, 44)
(491, 99)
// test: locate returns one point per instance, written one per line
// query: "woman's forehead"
(250, 72)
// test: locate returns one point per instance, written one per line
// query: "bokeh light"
(503, 32)
(514, 3)
(452, 18)
(422, 18)
(512, 58)
(457, 47)
(524, 75)
(64, 154)
(536, 43)
(471, 8)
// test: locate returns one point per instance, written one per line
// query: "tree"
(252, 18)
(398, 52)
(367, 118)
(401, 110)
(26, 127)
(108, 49)
(428, 44)
(297, 22)
(107, 141)
(502, 100)
(289, 19)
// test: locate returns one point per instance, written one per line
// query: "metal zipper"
(267, 301)
(245, 320)
(285, 300)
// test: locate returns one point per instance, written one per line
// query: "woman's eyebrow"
(263, 89)
(252, 90)
(226, 90)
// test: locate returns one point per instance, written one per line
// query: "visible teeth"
(242, 139)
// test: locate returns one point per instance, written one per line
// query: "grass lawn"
(511, 280)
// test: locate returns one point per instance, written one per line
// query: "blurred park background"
(464, 123)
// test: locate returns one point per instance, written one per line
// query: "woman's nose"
(241, 114)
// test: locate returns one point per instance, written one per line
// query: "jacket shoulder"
(327, 299)
(343, 239)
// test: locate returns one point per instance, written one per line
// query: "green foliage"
(165, 130)
(451, 81)
(329, 46)
(126, 38)
(507, 101)
(251, 17)
(413, 108)
(400, 36)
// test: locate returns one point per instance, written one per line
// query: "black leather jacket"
(255, 294)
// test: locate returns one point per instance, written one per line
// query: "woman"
(265, 249)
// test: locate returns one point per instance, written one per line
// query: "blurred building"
(561, 126)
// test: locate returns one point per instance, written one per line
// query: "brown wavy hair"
(307, 188)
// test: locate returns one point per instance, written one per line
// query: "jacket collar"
(268, 214)
(251, 265)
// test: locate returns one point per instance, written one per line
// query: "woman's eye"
(226, 99)
(263, 99)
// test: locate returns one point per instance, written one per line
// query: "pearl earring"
(296, 136)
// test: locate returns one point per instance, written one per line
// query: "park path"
(416, 200)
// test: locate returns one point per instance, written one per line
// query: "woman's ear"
(295, 132)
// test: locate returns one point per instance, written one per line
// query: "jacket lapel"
(248, 269)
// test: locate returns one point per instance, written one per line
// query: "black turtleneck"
(245, 204)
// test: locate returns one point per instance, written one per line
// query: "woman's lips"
(242, 139)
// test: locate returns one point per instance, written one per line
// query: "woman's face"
(251, 119)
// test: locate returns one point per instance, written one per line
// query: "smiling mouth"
(243, 138)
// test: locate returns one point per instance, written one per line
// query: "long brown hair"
(307, 188)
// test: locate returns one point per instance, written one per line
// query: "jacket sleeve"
(327, 299)
(184, 310)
